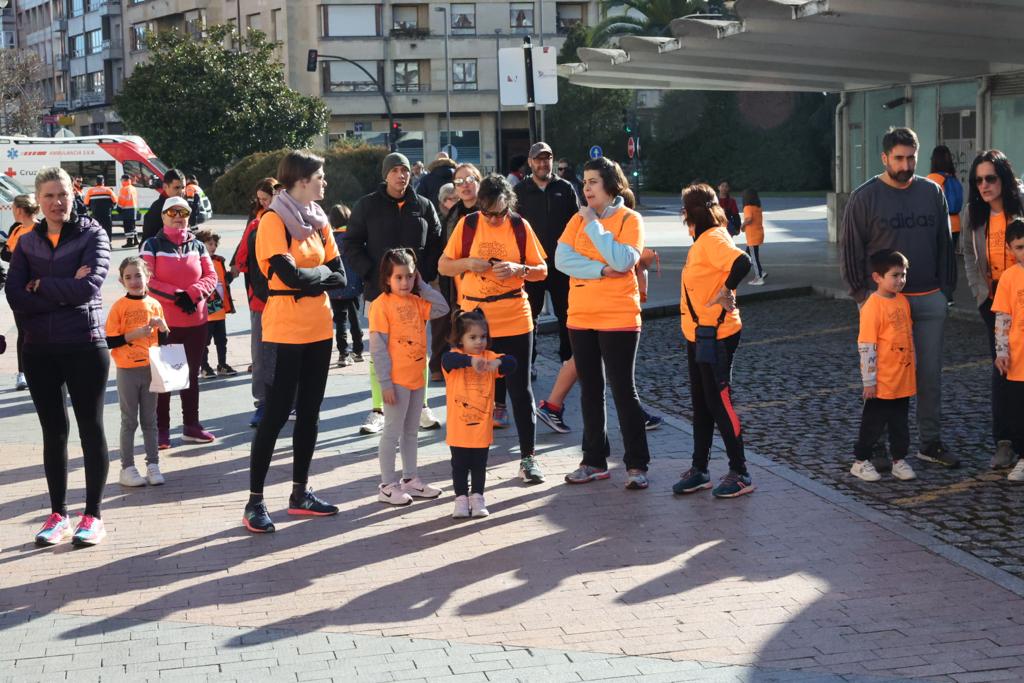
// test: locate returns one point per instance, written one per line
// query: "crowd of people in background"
(476, 259)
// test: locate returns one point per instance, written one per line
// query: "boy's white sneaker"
(417, 489)
(392, 494)
(477, 505)
(130, 477)
(153, 475)
(902, 470)
(863, 469)
(1017, 473)
(461, 510)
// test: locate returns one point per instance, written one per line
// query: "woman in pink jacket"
(182, 276)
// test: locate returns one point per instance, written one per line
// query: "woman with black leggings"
(296, 251)
(54, 289)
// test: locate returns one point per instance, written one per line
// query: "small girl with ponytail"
(470, 369)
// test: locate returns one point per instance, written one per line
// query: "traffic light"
(626, 127)
(312, 60)
(396, 131)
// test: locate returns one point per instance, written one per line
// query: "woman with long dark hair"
(993, 202)
(943, 172)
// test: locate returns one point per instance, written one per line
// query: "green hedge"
(351, 172)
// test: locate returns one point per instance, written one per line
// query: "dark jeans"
(755, 255)
(84, 373)
(520, 388)
(711, 395)
(468, 463)
(1002, 416)
(194, 341)
(346, 311)
(218, 334)
(128, 220)
(557, 284)
(613, 353)
(299, 380)
(879, 414)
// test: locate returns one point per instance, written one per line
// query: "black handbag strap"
(693, 313)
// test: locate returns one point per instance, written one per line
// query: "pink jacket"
(186, 268)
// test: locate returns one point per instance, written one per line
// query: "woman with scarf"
(298, 255)
(182, 276)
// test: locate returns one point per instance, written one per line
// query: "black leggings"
(468, 463)
(755, 254)
(299, 379)
(219, 336)
(520, 388)
(84, 373)
(711, 395)
(20, 344)
(598, 353)
(878, 414)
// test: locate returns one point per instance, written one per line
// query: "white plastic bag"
(169, 368)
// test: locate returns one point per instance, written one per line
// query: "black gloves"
(183, 301)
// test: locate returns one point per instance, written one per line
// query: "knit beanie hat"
(392, 160)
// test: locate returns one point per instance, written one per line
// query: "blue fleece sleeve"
(570, 262)
(453, 360)
(506, 365)
(621, 257)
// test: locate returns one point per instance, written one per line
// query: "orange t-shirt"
(129, 313)
(887, 324)
(222, 291)
(999, 256)
(708, 264)
(1009, 299)
(403, 319)
(16, 233)
(755, 229)
(606, 303)
(506, 317)
(54, 238)
(954, 218)
(287, 320)
(470, 400)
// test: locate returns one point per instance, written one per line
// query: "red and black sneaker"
(309, 505)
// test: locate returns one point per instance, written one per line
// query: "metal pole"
(540, 30)
(447, 82)
(531, 106)
(380, 88)
(238, 20)
(497, 48)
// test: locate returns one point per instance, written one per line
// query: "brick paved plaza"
(802, 581)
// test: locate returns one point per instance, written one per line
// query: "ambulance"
(109, 156)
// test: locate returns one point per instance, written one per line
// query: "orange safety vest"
(127, 197)
(99, 190)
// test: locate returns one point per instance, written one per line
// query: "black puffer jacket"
(547, 211)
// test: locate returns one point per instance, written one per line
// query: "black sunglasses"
(495, 214)
(990, 179)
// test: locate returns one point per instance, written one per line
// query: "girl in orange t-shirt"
(398, 345)
(753, 226)
(470, 370)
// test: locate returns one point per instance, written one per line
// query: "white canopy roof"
(816, 46)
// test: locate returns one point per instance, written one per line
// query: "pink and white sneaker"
(90, 531)
(55, 529)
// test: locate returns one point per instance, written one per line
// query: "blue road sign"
(596, 152)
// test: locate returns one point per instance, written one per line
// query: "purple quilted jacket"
(62, 310)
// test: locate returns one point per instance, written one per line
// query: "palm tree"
(643, 17)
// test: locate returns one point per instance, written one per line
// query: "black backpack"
(260, 283)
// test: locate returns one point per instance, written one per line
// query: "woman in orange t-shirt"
(599, 250)
(25, 209)
(715, 266)
(503, 253)
(753, 227)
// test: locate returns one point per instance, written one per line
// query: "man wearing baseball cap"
(392, 217)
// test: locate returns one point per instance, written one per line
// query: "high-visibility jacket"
(127, 197)
(100, 194)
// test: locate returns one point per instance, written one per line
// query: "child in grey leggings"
(398, 345)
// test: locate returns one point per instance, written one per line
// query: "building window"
(96, 82)
(138, 34)
(79, 85)
(77, 8)
(252, 21)
(340, 21)
(275, 21)
(407, 76)
(520, 15)
(463, 19)
(342, 77)
(94, 39)
(464, 74)
(95, 5)
(76, 45)
(568, 15)
(466, 143)
(405, 17)
(195, 24)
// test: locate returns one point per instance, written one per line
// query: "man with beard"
(904, 212)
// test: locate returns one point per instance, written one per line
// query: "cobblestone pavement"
(796, 387)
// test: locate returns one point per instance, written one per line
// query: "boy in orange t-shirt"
(886, 346)
(1008, 393)
(219, 304)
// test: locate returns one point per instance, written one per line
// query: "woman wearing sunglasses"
(491, 254)
(182, 276)
(993, 201)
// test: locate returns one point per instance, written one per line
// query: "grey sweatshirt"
(914, 221)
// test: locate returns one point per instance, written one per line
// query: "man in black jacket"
(174, 186)
(391, 217)
(439, 173)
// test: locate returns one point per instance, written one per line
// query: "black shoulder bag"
(706, 336)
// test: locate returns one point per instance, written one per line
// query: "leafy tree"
(202, 104)
(641, 18)
(21, 102)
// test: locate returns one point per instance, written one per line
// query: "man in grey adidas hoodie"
(905, 212)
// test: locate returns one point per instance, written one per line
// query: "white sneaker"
(392, 494)
(417, 489)
(428, 420)
(902, 470)
(478, 505)
(153, 475)
(130, 477)
(865, 470)
(461, 510)
(21, 383)
(373, 423)
(756, 282)
(1017, 473)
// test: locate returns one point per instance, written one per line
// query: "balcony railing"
(407, 32)
(412, 87)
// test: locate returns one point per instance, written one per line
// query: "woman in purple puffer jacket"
(54, 288)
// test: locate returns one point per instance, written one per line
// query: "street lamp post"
(497, 67)
(447, 79)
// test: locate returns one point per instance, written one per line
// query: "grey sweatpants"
(929, 315)
(138, 404)
(401, 424)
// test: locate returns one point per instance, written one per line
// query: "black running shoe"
(937, 453)
(309, 505)
(257, 520)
